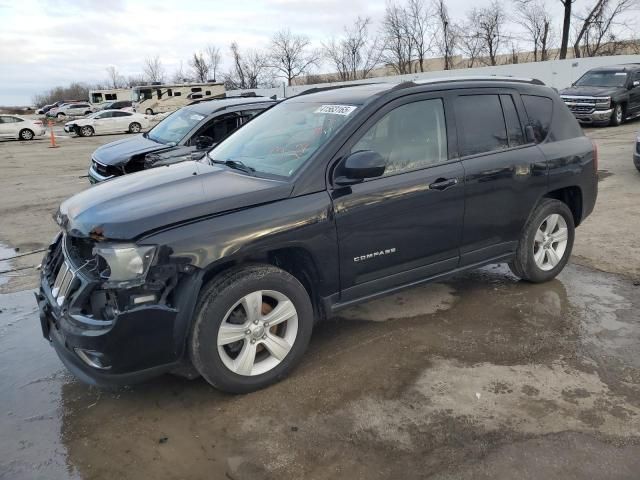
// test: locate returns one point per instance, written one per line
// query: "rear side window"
(565, 125)
(481, 124)
(539, 110)
(511, 118)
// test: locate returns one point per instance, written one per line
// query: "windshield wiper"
(235, 164)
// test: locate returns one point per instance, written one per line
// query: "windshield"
(603, 79)
(174, 128)
(283, 138)
(94, 114)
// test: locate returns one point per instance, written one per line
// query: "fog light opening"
(138, 299)
(93, 359)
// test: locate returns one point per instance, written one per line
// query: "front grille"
(62, 266)
(64, 284)
(105, 170)
(581, 108)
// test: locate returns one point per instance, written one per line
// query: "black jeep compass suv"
(330, 198)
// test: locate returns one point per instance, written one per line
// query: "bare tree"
(534, 17)
(423, 29)
(179, 75)
(398, 40)
(134, 81)
(566, 27)
(291, 55)
(214, 59)
(446, 36)
(153, 69)
(597, 26)
(355, 54)
(470, 41)
(114, 79)
(199, 67)
(490, 25)
(249, 69)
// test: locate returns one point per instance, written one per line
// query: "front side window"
(603, 79)
(96, 98)
(409, 137)
(111, 96)
(481, 126)
(282, 139)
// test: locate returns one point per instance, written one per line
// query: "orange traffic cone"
(53, 137)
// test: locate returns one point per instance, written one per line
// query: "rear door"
(103, 123)
(505, 173)
(121, 121)
(6, 127)
(404, 226)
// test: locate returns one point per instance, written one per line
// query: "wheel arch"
(572, 197)
(295, 260)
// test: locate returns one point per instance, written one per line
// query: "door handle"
(443, 183)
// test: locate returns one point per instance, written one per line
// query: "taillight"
(595, 155)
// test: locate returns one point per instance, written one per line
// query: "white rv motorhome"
(151, 99)
(97, 97)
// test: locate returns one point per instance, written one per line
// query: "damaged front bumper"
(99, 342)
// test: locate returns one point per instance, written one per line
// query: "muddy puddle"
(475, 371)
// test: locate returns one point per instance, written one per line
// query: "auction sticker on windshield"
(336, 109)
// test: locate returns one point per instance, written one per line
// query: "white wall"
(554, 73)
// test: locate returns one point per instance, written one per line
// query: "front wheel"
(546, 242)
(148, 111)
(86, 131)
(26, 134)
(252, 326)
(60, 116)
(135, 127)
(617, 117)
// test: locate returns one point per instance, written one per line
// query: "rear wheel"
(60, 116)
(26, 134)
(148, 111)
(252, 326)
(86, 131)
(135, 127)
(546, 242)
(617, 117)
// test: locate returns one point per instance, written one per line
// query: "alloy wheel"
(550, 242)
(257, 332)
(26, 135)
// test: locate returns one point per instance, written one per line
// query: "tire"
(148, 111)
(617, 117)
(220, 301)
(60, 116)
(26, 134)
(135, 127)
(538, 257)
(88, 112)
(86, 131)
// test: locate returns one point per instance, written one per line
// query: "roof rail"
(335, 87)
(481, 78)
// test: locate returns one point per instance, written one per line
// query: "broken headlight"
(124, 265)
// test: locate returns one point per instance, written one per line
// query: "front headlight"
(603, 102)
(124, 264)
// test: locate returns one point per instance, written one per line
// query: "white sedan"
(108, 121)
(14, 126)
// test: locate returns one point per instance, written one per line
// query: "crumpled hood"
(590, 91)
(120, 152)
(127, 207)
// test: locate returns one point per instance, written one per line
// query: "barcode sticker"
(336, 109)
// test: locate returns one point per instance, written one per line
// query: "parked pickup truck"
(605, 95)
(334, 197)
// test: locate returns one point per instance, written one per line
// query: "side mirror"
(530, 133)
(203, 142)
(358, 166)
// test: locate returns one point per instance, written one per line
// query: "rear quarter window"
(540, 111)
(564, 126)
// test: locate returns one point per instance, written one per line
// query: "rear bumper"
(134, 346)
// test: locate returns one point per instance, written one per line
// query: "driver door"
(406, 225)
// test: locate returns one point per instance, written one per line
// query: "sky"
(45, 43)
